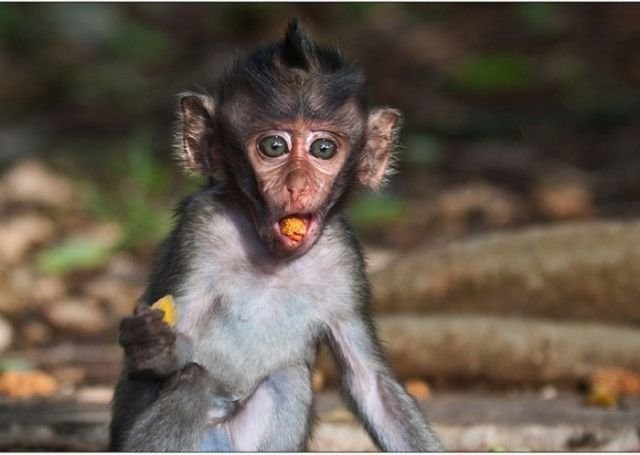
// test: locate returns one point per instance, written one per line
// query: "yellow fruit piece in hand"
(293, 227)
(168, 305)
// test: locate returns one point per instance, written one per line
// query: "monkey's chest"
(245, 324)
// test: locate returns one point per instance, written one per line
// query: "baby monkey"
(263, 268)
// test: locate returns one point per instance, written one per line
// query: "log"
(501, 350)
(583, 271)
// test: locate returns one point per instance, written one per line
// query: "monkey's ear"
(377, 159)
(196, 133)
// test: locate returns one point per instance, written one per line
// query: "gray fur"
(235, 371)
(254, 322)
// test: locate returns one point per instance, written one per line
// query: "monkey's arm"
(388, 412)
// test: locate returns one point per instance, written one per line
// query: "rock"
(563, 195)
(19, 234)
(76, 316)
(95, 394)
(378, 258)
(47, 289)
(115, 292)
(6, 334)
(107, 235)
(35, 333)
(340, 437)
(10, 303)
(30, 183)
(125, 268)
(478, 203)
(500, 349)
(17, 288)
(576, 271)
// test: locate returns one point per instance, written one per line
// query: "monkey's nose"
(297, 182)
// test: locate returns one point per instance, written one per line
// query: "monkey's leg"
(131, 398)
(177, 419)
(277, 417)
(390, 415)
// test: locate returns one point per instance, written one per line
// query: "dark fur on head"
(293, 84)
(294, 77)
(289, 79)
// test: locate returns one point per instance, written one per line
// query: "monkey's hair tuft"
(298, 50)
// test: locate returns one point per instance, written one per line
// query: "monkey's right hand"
(150, 345)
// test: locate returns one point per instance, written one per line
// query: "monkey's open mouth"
(294, 229)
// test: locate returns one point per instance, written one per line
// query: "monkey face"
(291, 129)
(296, 168)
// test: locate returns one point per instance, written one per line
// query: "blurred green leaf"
(376, 209)
(73, 254)
(494, 73)
(142, 181)
(139, 42)
(422, 149)
(10, 21)
(16, 364)
(538, 16)
(144, 172)
(358, 10)
(429, 12)
(109, 81)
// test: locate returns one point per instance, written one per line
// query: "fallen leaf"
(418, 388)
(607, 385)
(27, 384)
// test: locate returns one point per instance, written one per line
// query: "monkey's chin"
(286, 247)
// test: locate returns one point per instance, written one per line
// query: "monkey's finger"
(141, 308)
(141, 319)
(145, 336)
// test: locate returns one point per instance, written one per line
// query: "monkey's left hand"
(150, 345)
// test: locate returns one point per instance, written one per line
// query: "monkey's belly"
(242, 353)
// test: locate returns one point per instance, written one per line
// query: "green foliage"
(141, 182)
(10, 22)
(493, 73)
(106, 81)
(141, 43)
(73, 254)
(537, 16)
(422, 149)
(376, 209)
(428, 12)
(15, 364)
(357, 10)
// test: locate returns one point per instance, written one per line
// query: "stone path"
(465, 421)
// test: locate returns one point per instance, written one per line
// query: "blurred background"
(505, 255)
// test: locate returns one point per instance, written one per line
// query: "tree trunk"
(501, 349)
(586, 271)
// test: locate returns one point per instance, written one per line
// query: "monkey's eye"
(273, 146)
(323, 149)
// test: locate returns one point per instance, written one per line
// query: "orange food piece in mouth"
(293, 227)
